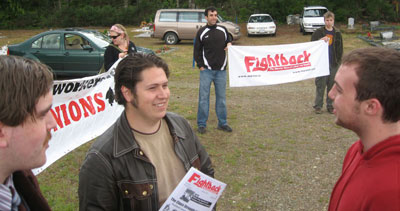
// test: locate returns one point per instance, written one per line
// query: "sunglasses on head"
(114, 37)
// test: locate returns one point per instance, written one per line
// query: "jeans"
(321, 83)
(219, 78)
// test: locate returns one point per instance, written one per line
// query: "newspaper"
(195, 192)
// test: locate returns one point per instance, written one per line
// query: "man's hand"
(201, 68)
(326, 39)
(228, 45)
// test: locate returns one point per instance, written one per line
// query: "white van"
(312, 18)
(174, 25)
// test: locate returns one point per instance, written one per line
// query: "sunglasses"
(114, 37)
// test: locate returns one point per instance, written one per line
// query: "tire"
(301, 29)
(230, 37)
(171, 38)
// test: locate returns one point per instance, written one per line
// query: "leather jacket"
(337, 43)
(116, 175)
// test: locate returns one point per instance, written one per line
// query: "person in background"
(25, 124)
(329, 33)
(120, 46)
(212, 41)
(138, 162)
(366, 100)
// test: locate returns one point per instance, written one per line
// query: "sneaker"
(330, 110)
(201, 130)
(318, 110)
(225, 128)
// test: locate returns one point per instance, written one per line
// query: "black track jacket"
(209, 48)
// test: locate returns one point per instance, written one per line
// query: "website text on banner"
(277, 64)
(83, 108)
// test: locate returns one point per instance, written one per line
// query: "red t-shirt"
(371, 180)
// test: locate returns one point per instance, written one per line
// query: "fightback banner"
(83, 109)
(277, 64)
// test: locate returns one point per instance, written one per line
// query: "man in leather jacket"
(137, 162)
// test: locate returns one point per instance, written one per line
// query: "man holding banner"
(209, 52)
(332, 35)
(25, 124)
(366, 100)
(140, 159)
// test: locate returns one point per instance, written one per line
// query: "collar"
(124, 140)
(212, 27)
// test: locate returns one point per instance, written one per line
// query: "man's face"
(27, 143)
(212, 18)
(329, 22)
(343, 94)
(152, 94)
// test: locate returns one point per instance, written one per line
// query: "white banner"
(83, 108)
(276, 64)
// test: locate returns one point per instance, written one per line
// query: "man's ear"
(3, 137)
(373, 107)
(127, 94)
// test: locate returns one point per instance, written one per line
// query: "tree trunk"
(177, 3)
(126, 2)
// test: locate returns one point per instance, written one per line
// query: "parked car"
(72, 51)
(261, 24)
(312, 18)
(174, 25)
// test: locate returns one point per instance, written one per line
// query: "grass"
(280, 156)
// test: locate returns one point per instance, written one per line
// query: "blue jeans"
(219, 79)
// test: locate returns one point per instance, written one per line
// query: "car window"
(203, 18)
(168, 17)
(314, 13)
(74, 42)
(188, 17)
(37, 43)
(51, 41)
(260, 19)
(98, 38)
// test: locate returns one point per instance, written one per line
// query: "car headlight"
(307, 24)
(237, 30)
(272, 27)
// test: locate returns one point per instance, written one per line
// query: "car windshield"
(100, 39)
(314, 13)
(260, 19)
(221, 19)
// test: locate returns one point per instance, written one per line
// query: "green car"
(69, 52)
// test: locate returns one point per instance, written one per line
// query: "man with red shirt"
(366, 100)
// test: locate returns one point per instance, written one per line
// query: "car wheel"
(301, 29)
(304, 32)
(171, 38)
(230, 37)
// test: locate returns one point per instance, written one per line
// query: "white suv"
(312, 18)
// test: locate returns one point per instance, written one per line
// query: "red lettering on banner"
(205, 184)
(279, 62)
(74, 111)
(100, 102)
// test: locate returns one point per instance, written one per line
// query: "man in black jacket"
(332, 35)
(141, 158)
(25, 124)
(211, 43)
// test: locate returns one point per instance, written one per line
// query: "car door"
(81, 58)
(188, 24)
(48, 50)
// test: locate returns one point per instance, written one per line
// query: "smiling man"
(212, 40)
(25, 124)
(138, 162)
(366, 100)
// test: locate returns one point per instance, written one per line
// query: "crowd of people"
(140, 159)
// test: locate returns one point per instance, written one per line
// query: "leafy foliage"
(63, 13)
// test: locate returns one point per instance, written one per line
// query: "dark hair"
(378, 71)
(211, 9)
(22, 83)
(128, 72)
